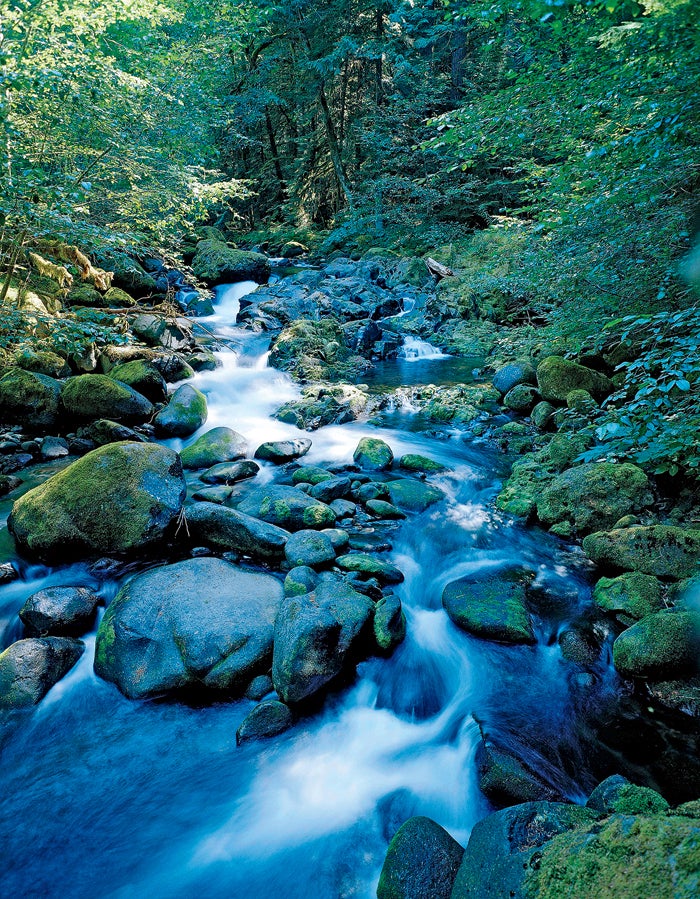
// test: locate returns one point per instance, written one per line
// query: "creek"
(102, 796)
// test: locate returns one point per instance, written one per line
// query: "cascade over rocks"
(202, 624)
(119, 498)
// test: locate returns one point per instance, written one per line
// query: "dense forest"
(505, 192)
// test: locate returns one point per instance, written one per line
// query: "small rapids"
(107, 797)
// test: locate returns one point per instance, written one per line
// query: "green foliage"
(654, 418)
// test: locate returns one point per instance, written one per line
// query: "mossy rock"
(373, 454)
(493, 608)
(224, 529)
(119, 498)
(185, 413)
(504, 779)
(521, 398)
(420, 464)
(29, 398)
(581, 401)
(300, 580)
(42, 362)
(421, 862)
(115, 296)
(557, 377)
(203, 360)
(143, 377)
(310, 474)
(370, 567)
(630, 596)
(288, 507)
(217, 445)
(309, 549)
(414, 496)
(661, 646)
(230, 472)
(541, 415)
(661, 550)
(563, 450)
(520, 493)
(216, 263)
(389, 623)
(627, 857)
(514, 374)
(84, 295)
(267, 719)
(594, 496)
(99, 396)
(128, 274)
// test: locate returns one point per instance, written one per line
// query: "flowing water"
(106, 797)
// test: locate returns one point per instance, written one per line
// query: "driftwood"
(437, 269)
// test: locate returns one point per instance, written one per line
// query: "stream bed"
(102, 796)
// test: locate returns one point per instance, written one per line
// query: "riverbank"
(523, 706)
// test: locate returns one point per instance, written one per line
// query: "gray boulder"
(512, 375)
(313, 635)
(230, 472)
(202, 624)
(59, 611)
(267, 719)
(29, 668)
(281, 451)
(227, 529)
(421, 862)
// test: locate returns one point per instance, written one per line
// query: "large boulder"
(504, 849)
(557, 377)
(216, 263)
(288, 508)
(630, 596)
(373, 454)
(493, 607)
(594, 496)
(414, 496)
(217, 445)
(99, 396)
(29, 668)
(59, 611)
(228, 530)
(29, 398)
(119, 498)
(661, 550)
(202, 624)
(662, 646)
(313, 635)
(143, 377)
(513, 375)
(159, 331)
(185, 413)
(421, 862)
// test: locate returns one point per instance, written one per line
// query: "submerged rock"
(202, 624)
(594, 496)
(373, 454)
(99, 396)
(60, 611)
(666, 552)
(217, 445)
(29, 668)
(287, 507)
(421, 862)
(268, 719)
(229, 529)
(493, 607)
(414, 496)
(185, 413)
(119, 498)
(313, 635)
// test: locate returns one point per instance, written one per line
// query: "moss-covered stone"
(661, 646)
(185, 413)
(230, 472)
(581, 401)
(421, 862)
(115, 296)
(99, 396)
(382, 509)
(216, 263)
(373, 454)
(557, 377)
(520, 493)
(217, 445)
(310, 474)
(521, 398)
(542, 414)
(494, 607)
(143, 377)
(227, 529)
(43, 362)
(370, 567)
(267, 719)
(630, 596)
(414, 496)
(389, 623)
(661, 550)
(504, 779)
(300, 580)
(29, 398)
(282, 451)
(288, 507)
(84, 295)
(420, 464)
(119, 498)
(627, 857)
(594, 496)
(310, 549)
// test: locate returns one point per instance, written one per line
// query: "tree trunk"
(282, 187)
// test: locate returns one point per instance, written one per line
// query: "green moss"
(519, 494)
(414, 462)
(373, 454)
(311, 475)
(626, 858)
(99, 396)
(661, 550)
(558, 377)
(319, 516)
(660, 646)
(630, 596)
(216, 263)
(634, 800)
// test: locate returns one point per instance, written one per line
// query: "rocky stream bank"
(300, 552)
